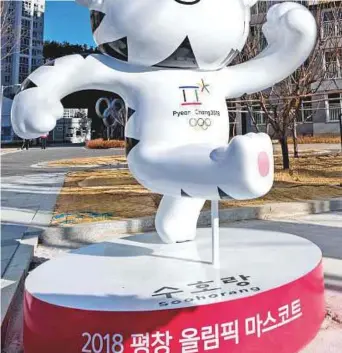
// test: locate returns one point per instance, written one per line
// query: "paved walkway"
(330, 147)
(325, 230)
(20, 163)
(27, 205)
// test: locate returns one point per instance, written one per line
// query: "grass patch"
(90, 161)
(102, 195)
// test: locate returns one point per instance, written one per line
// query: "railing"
(334, 113)
(332, 70)
(259, 118)
(332, 29)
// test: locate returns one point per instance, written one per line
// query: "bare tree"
(286, 105)
(8, 33)
(10, 36)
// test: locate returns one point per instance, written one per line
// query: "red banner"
(281, 320)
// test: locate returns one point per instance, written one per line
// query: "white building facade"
(71, 128)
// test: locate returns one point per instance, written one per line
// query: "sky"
(67, 21)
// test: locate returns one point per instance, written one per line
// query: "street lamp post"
(2, 96)
(3, 90)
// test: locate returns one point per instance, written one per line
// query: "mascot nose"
(188, 2)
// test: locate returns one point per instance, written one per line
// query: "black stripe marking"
(130, 144)
(117, 49)
(85, 55)
(188, 2)
(27, 84)
(171, 61)
(230, 57)
(96, 17)
(130, 112)
(223, 195)
(184, 194)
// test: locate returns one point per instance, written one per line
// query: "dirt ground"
(107, 194)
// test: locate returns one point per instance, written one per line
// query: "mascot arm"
(37, 106)
(291, 33)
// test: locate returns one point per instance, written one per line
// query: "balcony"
(332, 29)
(334, 113)
(332, 70)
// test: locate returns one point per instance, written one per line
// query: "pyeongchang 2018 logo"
(191, 95)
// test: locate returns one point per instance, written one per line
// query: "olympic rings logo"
(114, 111)
(201, 123)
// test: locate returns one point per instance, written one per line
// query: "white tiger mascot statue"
(168, 60)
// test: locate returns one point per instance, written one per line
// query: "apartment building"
(22, 41)
(321, 112)
(21, 50)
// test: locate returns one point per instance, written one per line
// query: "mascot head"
(189, 34)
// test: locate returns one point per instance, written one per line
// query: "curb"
(44, 165)
(15, 274)
(333, 306)
(88, 233)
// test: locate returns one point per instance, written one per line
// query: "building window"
(333, 63)
(25, 41)
(305, 114)
(24, 60)
(333, 107)
(6, 132)
(260, 8)
(258, 115)
(258, 36)
(26, 24)
(26, 10)
(24, 69)
(22, 78)
(332, 23)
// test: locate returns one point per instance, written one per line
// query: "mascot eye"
(188, 2)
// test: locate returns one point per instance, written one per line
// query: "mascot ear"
(91, 4)
(250, 3)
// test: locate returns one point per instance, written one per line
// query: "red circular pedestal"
(137, 295)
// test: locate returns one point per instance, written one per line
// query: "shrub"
(105, 144)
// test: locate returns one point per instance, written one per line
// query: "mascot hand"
(286, 20)
(34, 113)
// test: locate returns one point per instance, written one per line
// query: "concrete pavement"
(20, 163)
(325, 230)
(328, 147)
(28, 198)
(27, 204)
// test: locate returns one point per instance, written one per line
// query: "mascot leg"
(176, 219)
